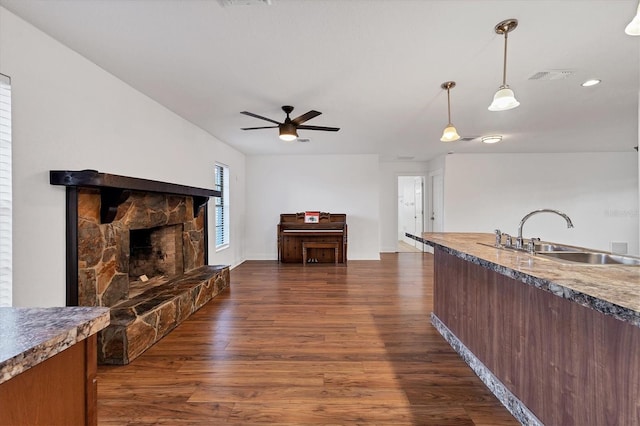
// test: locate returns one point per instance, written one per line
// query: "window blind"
(222, 205)
(5, 193)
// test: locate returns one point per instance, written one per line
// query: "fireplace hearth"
(140, 248)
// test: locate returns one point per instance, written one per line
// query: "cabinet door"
(58, 391)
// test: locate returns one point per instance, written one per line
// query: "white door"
(410, 211)
(418, 189)
(436, 219)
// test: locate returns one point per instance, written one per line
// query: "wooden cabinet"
(330, 232)
(569, 364)
(61, 390)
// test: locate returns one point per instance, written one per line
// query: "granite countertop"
(29, 336)
(610, 289)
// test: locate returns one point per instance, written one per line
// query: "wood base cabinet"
(569, 364)
(59, 391)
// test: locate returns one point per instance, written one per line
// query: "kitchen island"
(557, 343)
(48, 365)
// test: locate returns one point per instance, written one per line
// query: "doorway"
(410, 212)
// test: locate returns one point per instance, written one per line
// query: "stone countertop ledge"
(610, 289)
(29, 336)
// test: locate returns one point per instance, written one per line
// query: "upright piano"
(294, 234)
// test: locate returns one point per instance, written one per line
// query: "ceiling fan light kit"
(504, 99)
(633, 28)
(288, 132)
(450, 133)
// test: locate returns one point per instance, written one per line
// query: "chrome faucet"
(498, 238)
(519, 241)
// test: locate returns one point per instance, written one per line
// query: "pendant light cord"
(504, 65)
(449, 105)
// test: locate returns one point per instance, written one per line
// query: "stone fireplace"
(159, 230)
(140, 248)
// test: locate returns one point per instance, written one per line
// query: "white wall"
(70, 114)
(295, 183)
(599, 191)
(437, 163)
(388, 181)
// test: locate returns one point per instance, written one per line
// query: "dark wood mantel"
(115, 189)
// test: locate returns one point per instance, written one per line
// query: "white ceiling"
(373, 67)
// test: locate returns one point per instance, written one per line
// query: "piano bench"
(316, 245)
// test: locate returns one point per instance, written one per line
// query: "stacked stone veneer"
(103, 271)
(142, 320)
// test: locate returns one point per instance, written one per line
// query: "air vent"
(551, 75)
(468, 138)
(229, 3)
(304, 140)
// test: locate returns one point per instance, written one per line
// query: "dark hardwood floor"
(306, 345)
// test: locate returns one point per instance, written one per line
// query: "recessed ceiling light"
(491, 139)
(591, 82)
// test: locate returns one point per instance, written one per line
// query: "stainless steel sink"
(577, 255)
(545, 247)
(592, 258)
(542, 247)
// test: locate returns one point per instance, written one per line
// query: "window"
(222, 206)
(5, 192)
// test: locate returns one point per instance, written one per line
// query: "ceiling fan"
(289, 128)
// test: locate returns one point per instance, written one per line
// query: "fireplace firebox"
(155, 252)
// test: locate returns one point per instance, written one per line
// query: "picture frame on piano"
(311, 217)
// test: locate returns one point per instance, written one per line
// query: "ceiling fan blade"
(326, 129)
(305, 117)
(258, 116)
(263, 127)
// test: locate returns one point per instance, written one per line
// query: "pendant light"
(504, 99)
(450, 133)
(633, 29)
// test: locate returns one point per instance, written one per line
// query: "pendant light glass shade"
(450, 133)
(633, 29)
(504, 99)
(288, 132)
